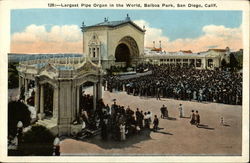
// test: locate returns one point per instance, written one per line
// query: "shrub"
(38, 141)
(17, 111)
(13, 79)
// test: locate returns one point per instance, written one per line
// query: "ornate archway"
(122, 53)
(126, 50)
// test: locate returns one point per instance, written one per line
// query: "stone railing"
(66, 73)
(59, 61)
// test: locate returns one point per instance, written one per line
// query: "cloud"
(36, 39)
(213, 37)
(152, 34)
(68, 39)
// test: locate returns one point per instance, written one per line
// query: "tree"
(12, 76)
(233, 62)
(223, 63)
(38, 141)
(17, 111)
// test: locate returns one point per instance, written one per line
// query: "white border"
(7, 5)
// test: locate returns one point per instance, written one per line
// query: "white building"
(114, 42)
(204, 60)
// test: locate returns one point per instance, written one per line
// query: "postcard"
(125, 81)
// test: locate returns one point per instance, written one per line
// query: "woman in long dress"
(122, 131)
(180, 111)
(194, 95)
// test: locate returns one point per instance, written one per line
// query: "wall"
(116, 34)
(101, 32)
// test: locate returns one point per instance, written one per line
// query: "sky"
(58, 30)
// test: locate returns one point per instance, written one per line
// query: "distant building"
(203, 60)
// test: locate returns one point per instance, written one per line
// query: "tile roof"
(113, 24)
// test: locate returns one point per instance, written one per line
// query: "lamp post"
(19, 131)
(56, 147)
(19, 126)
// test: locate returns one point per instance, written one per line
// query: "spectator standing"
(156, 123)
(180, 111)
(197, 119)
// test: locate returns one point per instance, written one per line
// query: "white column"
(55, 102)
(205, 63)
(94, 96)
(37, 97)
(99, 55)
(26, 91)
(77, 100)
(20, 83)
(26, 85)
(41, 103)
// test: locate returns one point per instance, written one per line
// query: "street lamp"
(56, 144)
(19, 131)
(19, 125)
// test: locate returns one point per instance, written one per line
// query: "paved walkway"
(176, 137)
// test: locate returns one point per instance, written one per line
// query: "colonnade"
(196, 62)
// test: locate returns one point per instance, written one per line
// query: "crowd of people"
(118, 123)
(181, 83)
(115, 121)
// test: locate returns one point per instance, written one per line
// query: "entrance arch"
(122, 53)
(126, 50)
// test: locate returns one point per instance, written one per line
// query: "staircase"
(50, 124)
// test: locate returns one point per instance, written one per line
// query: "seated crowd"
(181, 83)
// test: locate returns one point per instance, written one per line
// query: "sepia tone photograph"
(84, 82)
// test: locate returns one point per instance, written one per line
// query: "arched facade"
(65, 82)
(111, 35)
(126, 50)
